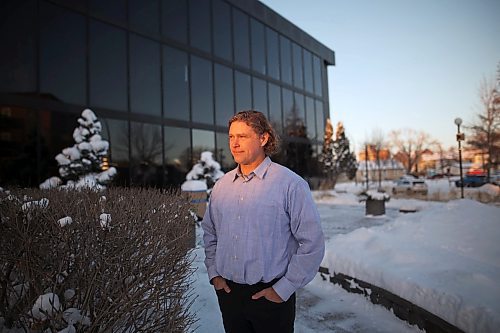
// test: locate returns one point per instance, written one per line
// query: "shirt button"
(241, 198)
(239, 217)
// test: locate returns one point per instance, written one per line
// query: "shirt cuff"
(212, 272)
(284, 288)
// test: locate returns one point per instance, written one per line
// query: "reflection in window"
(243, 91)
(222, 29)
(143, 16)
(201, 91)
(259, 95)
(320, 120)
(275, 116)
(297, 66)
(174, 19)
(177, 154)
(116, 132)
(146, 155)
(286, 59)
(113, 10)
(310, 118)
(199, 24)
(288, 107)
(224, 100)
(17, 36)
(62, 54)
(298, 100)
(241, 40)
(318, 89)
(258, 47)
(308, 71)
(175, 84)
(273, 62)
(144, 76)
(202, 141)
(108, 67)
(223, 155)
(18, 148)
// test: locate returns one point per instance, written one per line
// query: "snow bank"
(447, 261)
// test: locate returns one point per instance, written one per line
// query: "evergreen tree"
(337, 157)
(83, 163)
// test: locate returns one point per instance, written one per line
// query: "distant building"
(163, 76)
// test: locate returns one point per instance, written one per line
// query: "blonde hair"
(259, 123)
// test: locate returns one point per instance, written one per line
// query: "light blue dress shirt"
(261, 227)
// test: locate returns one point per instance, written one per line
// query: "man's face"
(246, 146)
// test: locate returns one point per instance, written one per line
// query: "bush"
(116, 261)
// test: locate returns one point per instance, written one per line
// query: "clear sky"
(402, 63)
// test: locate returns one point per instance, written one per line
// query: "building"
(163, 76)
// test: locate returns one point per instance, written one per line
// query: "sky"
(454, 275)
(402, 64)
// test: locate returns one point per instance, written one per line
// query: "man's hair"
(259, 123)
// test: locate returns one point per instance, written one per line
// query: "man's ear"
(263, 139)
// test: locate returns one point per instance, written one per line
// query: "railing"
(402, 308)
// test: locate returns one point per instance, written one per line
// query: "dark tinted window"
(318, 89)
(174, 19)
(175, 84)
(320, 120)
(273, 62)
(117, 134)
(17, 38)
(62, 54)
(114, 10)
(144, 16)
(258, 46)
(259, 95)
(275, 116)
(241, 40)
(76, 4)
(19, 165)
(146, 152)
(108, 66)
(223, 155)
(308, 72)
(310, 118)
(298, 100)
(286, 60)
(298, 80)
(224, 100)
(243, 91)
(177, 143)
(199, 24)
(144, 76)
(222, 29)
(288, 104)
(201, 91)
(202, 141)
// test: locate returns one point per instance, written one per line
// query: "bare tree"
(409, 145)
(377, 144)
(485, 130)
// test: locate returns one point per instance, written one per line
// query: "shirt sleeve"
(305, 226)
(210, 239)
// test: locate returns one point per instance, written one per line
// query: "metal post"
(460, 137)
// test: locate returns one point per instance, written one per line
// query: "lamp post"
(460, 137)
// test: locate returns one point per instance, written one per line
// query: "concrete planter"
(375, 207)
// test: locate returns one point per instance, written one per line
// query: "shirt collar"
(260, 171)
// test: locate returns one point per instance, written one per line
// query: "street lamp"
(460, 137)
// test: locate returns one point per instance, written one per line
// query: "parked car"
(472, 181)
(409, 185)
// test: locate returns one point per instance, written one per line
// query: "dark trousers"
(242, 314)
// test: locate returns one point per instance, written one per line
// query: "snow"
(46, 305)
(444, 258)
(65, 221)
(206, 171)
(105, 220)
(194, 186)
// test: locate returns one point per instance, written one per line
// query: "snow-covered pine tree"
(337, 157)
(207, 169)
(82, 164)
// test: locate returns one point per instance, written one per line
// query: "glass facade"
(163, 76)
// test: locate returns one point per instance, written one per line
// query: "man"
(262, 233)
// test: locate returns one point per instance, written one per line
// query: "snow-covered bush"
(207, 170)
(80, 166)
(96, 262)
